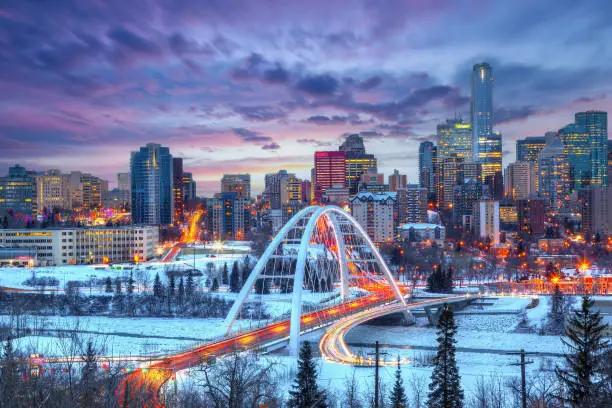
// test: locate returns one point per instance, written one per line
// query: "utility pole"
(522, 363)
(377, 354)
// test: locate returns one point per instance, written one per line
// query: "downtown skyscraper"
(487, 148)
(152, 182)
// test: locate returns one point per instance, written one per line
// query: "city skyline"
(255, 94)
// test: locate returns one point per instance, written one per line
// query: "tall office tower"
(529, 148)
(455, 137)
(487, 220)
(189, 189)
(357, 161)
(594, 210)
(466, 192)
(329, 171)
(237, 183)
(18, 192)
(491, 155)
(152, 198)
(177, 189)
(411, 203)
(228, 216)
(553, 174)
(53, 191)
(596, 125)
(123, 181)
(521, 180)
(531, 216)
(450, 173)
(481, 109)
(428, 156)
(578, 153)
(397, 181)
(609, 155)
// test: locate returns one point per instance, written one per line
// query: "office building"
(495, 185)
(117, 199)
(481, 105)
(487, 220)
(508, 216)
(306, 191)
(596, 125)
(282, 187)
(397, 181)
(491, 155)
(18, 193)
(87, 190)
(177, 189)
(123, 181)
(373, 182)
(66, 246)
(594, 210)
(529, 148)
(152, 182)
(465, 197)
(531, 214)
(237, 183)
(375, 213)
(357, 161)
(521, 179)
(53, 191)
(336, 195)
(449, 174)
(553, 175)
(578, 153)
(455, 138)
(427, 166)
(329, 171)
(189, 187)
(229, 216)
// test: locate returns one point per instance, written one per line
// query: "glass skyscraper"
(529, 148)
(152, 181)
(596, 125)
(553, 177)
(455, 137)
(427, 163)
(578, 153)
(481, 107)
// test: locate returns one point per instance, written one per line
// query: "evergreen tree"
(225, 275)
(117, 286)
(398, 394)
(158, 289)
(584, 339)
(305, 392)
(9, 376)
(445, 387)
(234, 280)
(126, 394)
(171, 286)
(108, 285)
(262, 286)
(130, 284)
(90, 390)
(557, 311)
(214, 285)
(190, 289)
(246, 269)
(181, 290)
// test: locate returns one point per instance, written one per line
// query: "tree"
(225, 275)
(445, 387)
(262, 286)
(117, 286)
(398, 394)
(351, 395)
(305, 392)
(584, 339)
(9, 376)
(234, 280)
(90, 391)
(158, 288)
(130, 284)
(181, 290)
(439, 281)
(171, 286)
(214, 285)
(557, 311)
(108, 285)
(190, 289)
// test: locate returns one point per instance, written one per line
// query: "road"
(143, 385)
(333, 347)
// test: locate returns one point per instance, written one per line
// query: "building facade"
(529, 148)
(397, 181)
(229, 216)
(411, 204)
(237, 183)
(521, 180)
(553, 175)
(531, 214)
(18, 193)
(481, 105)
(53, 191)
(375, 213)
(428, 157)
(177, 189)
(487, 220)
(455, 138)
(358, 162)
(329, 171)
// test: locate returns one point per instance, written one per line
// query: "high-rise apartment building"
(529, 148)
(450, 173)
(152, 182)
(373, 182)
(411, 203)
(329, 171)
(18, 192)
(87, 190)
(237, 183)
(487, 220)
(594, 210)
(455, 138)
(189, 187)
(357, 161)
(427, 166)
(397, 181)
(177, 188)
(531, 214)
(282, 187)
(375, 213)
(53, 191)
(481, 108)
(228, 216)
(553, 174)
(521, 179)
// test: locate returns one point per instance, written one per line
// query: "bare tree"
(351, 393)
(418, 390)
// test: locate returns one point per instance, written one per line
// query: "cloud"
(251, 136)
(318, 85)
(314, 142)
(323, 120)
(260, 113)
(271, 146)
(133, 41)
(370, 83)
(276, 75)
(507, 115)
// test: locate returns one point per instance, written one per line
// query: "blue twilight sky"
(256, 86)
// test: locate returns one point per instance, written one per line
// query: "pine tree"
(171, 286)
(398, 394)
(126, 394)
(130, 285)
(584, 339)
(90, 389)
(234, 280)
(117, 286)
(108, 285)
(305, 392)
(557, 311)
(225, 275)
(181, 290)
(9, 376)
(445, 387)
(158, 289)
(262, 286)
(214, 285)
(190, 289)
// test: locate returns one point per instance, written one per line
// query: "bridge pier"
(409, 317)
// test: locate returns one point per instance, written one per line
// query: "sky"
(259, 85)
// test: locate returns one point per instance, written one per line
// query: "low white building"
(420, 232)
(375, 214)
(65, 246)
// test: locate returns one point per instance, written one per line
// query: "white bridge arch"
(318, 250)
